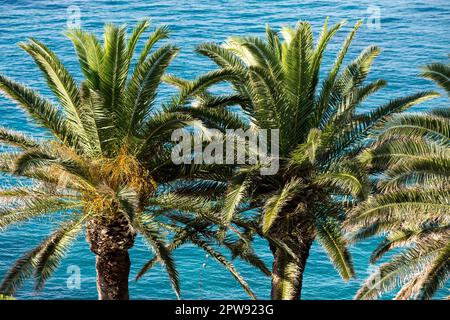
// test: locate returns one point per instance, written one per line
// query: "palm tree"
(107, 168)
(412, 158)
(277, 85)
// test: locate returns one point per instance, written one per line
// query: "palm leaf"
(330, 236)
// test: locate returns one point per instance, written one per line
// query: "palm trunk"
(110, 240)
(113, 270)
(287, 272)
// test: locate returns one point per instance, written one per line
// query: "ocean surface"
(411, 34)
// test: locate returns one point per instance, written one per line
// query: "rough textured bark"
(287, 272)
(112, 276)
(110, 240)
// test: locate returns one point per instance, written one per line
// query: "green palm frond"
(381, 114)
(60, 81)
(357, 71)
(275, 204)
(201, 83)
(17, 139)
(233, 198)
(144, 84)
(400, 270)
(40, 191)
(439, 73)
(242, 250)
(204, 187)
(400, 150)
(54, 249)
(351, 78)
(441, 112)
(43, 260)
(331, 238)
(220, 55)
(414, 205)
(349, 179)
(290, 274)
(411, 160)
(430, 127)
(113, 74)
(149, 230)
(32, 208)
(112, 155)
(437, 274)
(325, 37)
(21, 271)
(321, 129)
(38, 159)
(178, 240)
(90, 55)
(199, 206)
(137, 32)
(337, 117)
(223, 260)
(215, 118)
(43, 112)
(405, 237)
(392, 240)
(94, 118)
(329, 82)
(308, 150)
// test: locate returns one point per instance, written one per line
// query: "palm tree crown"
(108, 166)
(278, 85)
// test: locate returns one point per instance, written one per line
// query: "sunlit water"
(411, 34)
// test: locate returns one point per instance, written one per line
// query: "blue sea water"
(411, 34)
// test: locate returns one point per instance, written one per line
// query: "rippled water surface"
(411, 33)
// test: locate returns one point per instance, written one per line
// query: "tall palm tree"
(107, 168)
(277, 85)
(412, 157)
